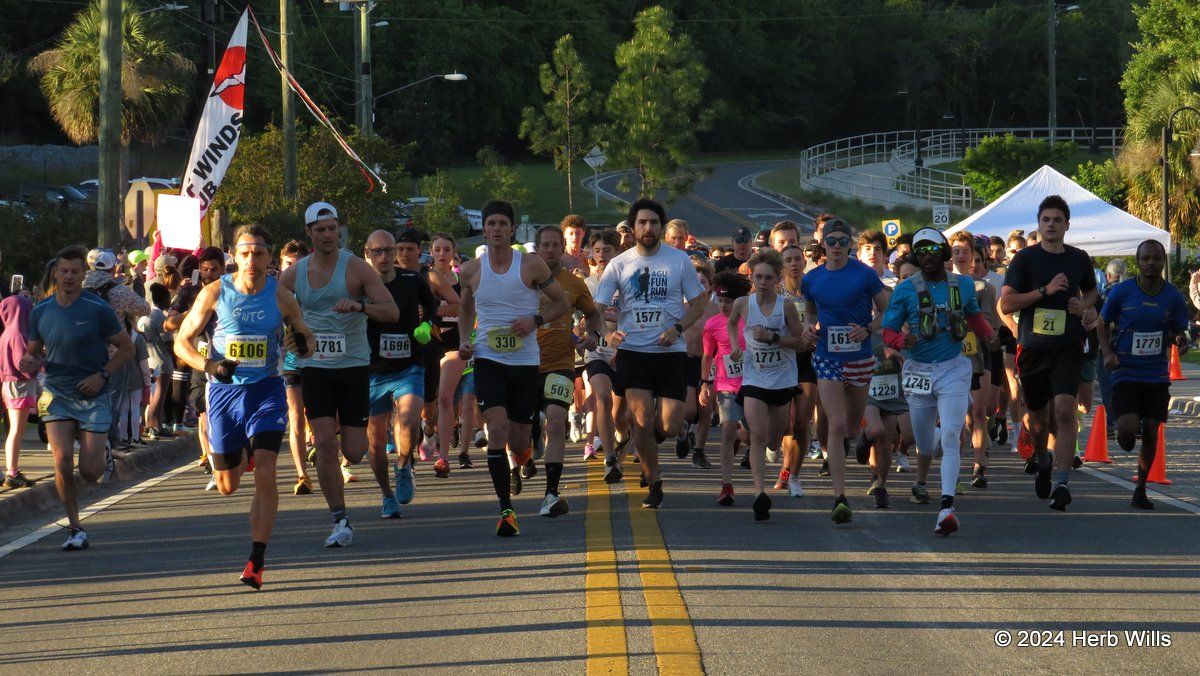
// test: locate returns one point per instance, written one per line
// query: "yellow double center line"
(671, 629)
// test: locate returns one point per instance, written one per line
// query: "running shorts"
(344, 393)
(389, 386)
(1048, 373)
(857, 373)
(557, 388)
(662, 373)
(238, 414)
(1149, 401)
(92, 415)
(777, 397)
(514, 388)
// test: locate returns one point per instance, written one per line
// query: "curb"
(1188, 407)
(810, 210)
(20, 503)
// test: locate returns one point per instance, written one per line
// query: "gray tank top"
(341, 337)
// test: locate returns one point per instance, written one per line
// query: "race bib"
(837, 339)
(767, 358)
(647, 318)
(602, 349)
(733, 369)
(1147, 344)
(970, 344)
(504, 340)
(559, 388)
(884, 387)
(712, 371)
(247, 350)
(395, 346)
(1047, 322)
(800, 309)
(202, 348)
(918, 381)
(329, 346)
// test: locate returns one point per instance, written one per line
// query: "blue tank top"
(248, 330)
(341, 337)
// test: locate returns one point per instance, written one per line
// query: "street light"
(1051, 57)
(450, 77)
(1167, 132)
(1094, 146)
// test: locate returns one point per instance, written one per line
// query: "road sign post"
(595, 159)
(891, 230)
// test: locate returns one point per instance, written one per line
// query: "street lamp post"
(917, 161)
(1052, 58)
(1167, 132)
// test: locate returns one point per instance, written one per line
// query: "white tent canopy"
(1097, 227)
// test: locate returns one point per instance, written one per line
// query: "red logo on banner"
(230, 81)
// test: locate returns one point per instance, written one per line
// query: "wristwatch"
(706, 382)
(538, 320)
(362, 304)
(1042, 290)
(678, 328)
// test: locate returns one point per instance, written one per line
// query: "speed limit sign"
(941, 216)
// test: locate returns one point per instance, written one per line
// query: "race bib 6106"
(247, 350)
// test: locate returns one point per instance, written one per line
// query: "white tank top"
(500, 299)
(771, 367)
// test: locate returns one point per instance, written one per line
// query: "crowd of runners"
(792, 345)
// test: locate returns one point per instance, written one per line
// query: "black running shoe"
(991, 429)
(920, 494)
(681, 447)
(643, 483)
(1076, 462)
(655, 498)
(529, 470)
(746, 460)
(516, 485)
(1061, 498)
(1041, 484)
(762, 507)
(1140, 500)
(464, 461)
(700, 461)
(1031, 466)
(612, 470)
(824, 468)
(846, 445)
(881, 498)
(862, 449)
(979, 479)
(841, 510)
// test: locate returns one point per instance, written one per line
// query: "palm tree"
(156, 81)
(1139, 159)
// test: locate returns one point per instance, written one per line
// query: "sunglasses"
(927, 249)
(837, 241)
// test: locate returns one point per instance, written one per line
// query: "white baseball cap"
(318, 210)
(101, 259)
(479, 250)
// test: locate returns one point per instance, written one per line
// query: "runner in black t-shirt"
(741, 251)
(1054, 289)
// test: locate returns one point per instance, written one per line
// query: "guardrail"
(898, 149)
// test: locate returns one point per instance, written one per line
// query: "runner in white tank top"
(502, 287)
(768, 365)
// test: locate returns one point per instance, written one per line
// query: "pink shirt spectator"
(716, 342)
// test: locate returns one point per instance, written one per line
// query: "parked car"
(406, 213)
(91, 186)
(37, 194)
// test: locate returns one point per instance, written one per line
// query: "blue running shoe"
(391, 508)
(405, 485)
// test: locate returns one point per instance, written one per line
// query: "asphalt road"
(722, 200)
(610, 587)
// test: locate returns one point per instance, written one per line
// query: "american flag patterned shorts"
(857, 373)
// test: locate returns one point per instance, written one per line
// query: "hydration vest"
(927, 326)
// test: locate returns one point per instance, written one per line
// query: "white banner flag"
(220, 126)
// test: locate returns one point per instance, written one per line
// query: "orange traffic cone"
(1024, 443)
(1158, 470)
(1097, 445)
(1176, 370)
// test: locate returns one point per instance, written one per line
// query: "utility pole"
(109, 197)
(1051, 58)
(288, 110)
(368, 104)
(356, 18)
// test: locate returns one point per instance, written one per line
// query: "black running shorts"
(344, 393)
(662, 373)
(1149, 401)
(514, 388)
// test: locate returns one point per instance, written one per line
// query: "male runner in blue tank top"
(247, 406)
(337, 292)
(502, 288)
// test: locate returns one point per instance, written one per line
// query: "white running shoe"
(772, 456)
(554, 505)
(795, 490)
(212, 484)
(947, 522)
(341, 536)
(902, 463)
(77, 540)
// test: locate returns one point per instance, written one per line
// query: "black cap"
(741, 235)
(410, 236)
(763, 237)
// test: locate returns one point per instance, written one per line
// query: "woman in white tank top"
(772, 334)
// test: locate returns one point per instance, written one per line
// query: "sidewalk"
(37, 463)
(871, 183)
(1182, 442)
